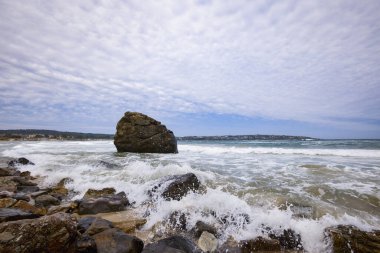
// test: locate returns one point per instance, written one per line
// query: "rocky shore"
(37, 219)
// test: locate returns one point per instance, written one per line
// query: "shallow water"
(339, 180)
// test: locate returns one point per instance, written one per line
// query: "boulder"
(351, 239)
(136, 132)
(54, 233)
(27, 188)
(85, 244)
(288, 239)
(98, 225)
(63, 208)
(4, 172)
(46, 201)
(22, 181)
(259, 244)
(116, 241)
(201, 227)
(174, 244)
(12, 214)
(19, 161)
(7, 202)
(7, 184)
(207, 242)
(175, 187)
(106, 204)
(84, 223)
(93, 193)
(26, 207)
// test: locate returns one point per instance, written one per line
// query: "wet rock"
(104, 204)
(174, 244)
(27, 189)
(136, 132)
(4, 172)
(54, 233)
(177, 186)
(85, 244)
(7, 184)
(93, 193)
(108, 165)
(5, 194)
(351, 239)
(26, 207)
(260, 244)
(7, 202)
(236, 219)
(207, 242)
(178, 220)
(46, 201)
(21, 196)
(288, 239)
(64, 208)
(84, 223)
(38, 193)
(12, 214)
(60, 191)
(201, 227)
(25, 174)
(99, 225)
(21, 181)
(19, 161)
(116, 241)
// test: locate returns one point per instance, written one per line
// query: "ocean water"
(256, 185)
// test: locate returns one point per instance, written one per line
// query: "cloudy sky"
(201, 67)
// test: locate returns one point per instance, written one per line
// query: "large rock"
(54, 233)
(105, 204)
(177, 186)
(136, 132)
(116, 241)
(207, 242)
(174, 244)
(12, 214)
(351, 239)
(19, 161)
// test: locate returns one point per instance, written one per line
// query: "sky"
(202, 67)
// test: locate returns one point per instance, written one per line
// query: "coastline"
(127, 220)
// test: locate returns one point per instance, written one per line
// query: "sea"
(259, 186)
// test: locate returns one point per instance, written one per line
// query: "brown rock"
(12, 214)
(7, 202)
(99, 225)
(54, 233)
(46, 201)
(116, 241)
(7, 184)
(136, 132)
(93, 193)
(26, 207)
(351, 239)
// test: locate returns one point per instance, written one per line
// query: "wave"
(214, 150)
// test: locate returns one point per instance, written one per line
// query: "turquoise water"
(333, 181)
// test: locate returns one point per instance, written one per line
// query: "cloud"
(89, 61)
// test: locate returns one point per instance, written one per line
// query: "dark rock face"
(177, 186)
(85, 244)
(105, 204)
(174, 244)
(136, 132)
(201, 227)
(54, 233)
(351, 239)
(99, 225)
(12, 214)
(288, 240)
(116, 241)
(19, 161)
(46, 201)
(84, 223)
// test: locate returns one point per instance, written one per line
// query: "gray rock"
(27, 189)
(46, 201)
(288, 239)
(19, 161)
(54, 233)
(174, 244)
(99, 225)
(12, 214)
(207, 242)
(177, 186)
(8, 172)
(116, 241)
(84, 223)
(136, 132)
(201, 227)
(85, 244)
(106, 204)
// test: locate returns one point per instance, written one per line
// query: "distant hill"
(38, 134)
(244, 137)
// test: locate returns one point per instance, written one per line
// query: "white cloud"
(311, 61)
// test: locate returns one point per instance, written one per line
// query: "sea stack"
(138, 133)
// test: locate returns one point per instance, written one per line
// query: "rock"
(21, 181)
(136, 132)
(4, 172)
(84, 223)
(260, 244)
(177, 220)
(21, 196)
(38, 193)
(64, 208)
(5, 194)
(7, 202)
(201, 227)
(349, 239)
(7, 184)
(12, 214)
(19, 161)
(108, 165)
(85, 244)
(25, 174)
(288, 239)
(106, 204)
(177, 186)
(26, 207)
(116, 241)
(27, 189)
(46, 201)
(207, 242)
(99, 225)
(54, 233)
(174, 244)
(92, 193)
